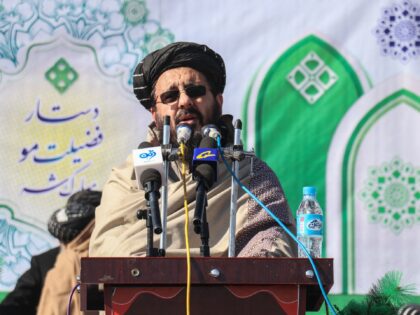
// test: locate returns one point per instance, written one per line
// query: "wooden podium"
(222, 286)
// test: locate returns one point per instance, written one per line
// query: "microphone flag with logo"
(205, 173)
(146, 157)
(207, 156)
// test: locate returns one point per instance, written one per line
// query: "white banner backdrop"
(327, 90)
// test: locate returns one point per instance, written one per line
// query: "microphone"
(205, 173)
(148, 167)
(164, 202)
(166, 129)
(237, 148)
(211, 131)
(183, 133)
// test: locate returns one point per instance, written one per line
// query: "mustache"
(188, 111)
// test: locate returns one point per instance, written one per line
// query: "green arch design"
(348, 189)
(5, 207)
(288, 130)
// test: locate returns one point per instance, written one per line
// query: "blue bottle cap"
(309, 190)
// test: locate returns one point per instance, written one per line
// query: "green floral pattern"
(391, 195)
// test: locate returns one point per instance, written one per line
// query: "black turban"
(175, 55)
(66, 223)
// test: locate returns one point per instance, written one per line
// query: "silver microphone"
(164, 201)
(210, 131)
(183, 133)
(166, 130)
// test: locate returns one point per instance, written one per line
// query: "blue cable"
(280, 223)
(70, 298)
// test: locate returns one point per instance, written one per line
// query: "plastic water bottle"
(310, 221)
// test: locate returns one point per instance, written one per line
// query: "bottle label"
(309, 224)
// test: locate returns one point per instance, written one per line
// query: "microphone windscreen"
(151, 175)
(144, 144)
(183, 133)
(210, 131)
(166, 120)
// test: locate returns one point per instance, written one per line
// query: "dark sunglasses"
(192, 91)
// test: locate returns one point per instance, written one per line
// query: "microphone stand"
(200, 219)
(234, 191)
(204, 233)
(164, 204)
(146, 214)
(152, 216)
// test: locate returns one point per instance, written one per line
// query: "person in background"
(45, 287)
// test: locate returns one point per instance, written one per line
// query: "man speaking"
(185, 81)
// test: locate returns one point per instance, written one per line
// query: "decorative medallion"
(398, 31)
(61, 75)
(391, 195)
(312, 77)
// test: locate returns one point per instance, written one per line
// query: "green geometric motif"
(61, 75)
(157, 40)
(134, 11)
(391, 195)
(312, 77)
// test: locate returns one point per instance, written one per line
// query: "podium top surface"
(204, 270)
